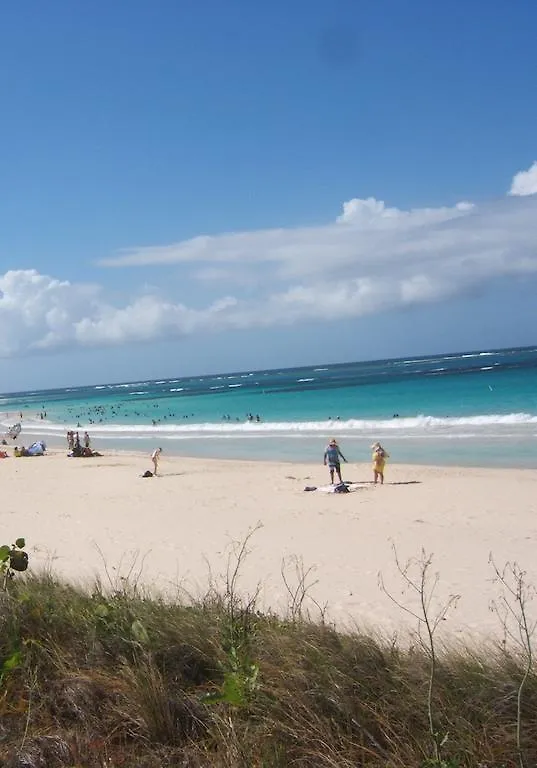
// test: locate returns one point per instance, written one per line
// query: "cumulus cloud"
(373, 258)
(525, 182)
(375, 213)
(39, 313)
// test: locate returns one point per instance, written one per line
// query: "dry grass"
(123, 680)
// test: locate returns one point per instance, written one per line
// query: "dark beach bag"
(341, 488)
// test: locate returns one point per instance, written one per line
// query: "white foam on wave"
(437, 359)
(401, 427)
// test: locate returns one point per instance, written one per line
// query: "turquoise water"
(474, 408)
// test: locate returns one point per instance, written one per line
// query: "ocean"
(469, 409)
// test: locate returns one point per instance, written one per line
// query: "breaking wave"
(478, 425)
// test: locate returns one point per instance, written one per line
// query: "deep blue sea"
(474, 408)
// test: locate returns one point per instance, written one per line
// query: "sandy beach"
(175, 532)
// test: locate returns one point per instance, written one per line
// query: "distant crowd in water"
(249, 417)
(99, 414)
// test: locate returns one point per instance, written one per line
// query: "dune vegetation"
(115, 677)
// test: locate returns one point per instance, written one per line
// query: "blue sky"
(189, 187)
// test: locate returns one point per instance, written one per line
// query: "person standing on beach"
(332, 455)
(379, 462)
(155, 457)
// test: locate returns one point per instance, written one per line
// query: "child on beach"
(155, 456)
(379, 462)
(332, 455)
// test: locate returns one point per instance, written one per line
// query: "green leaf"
(232, 690)
(20, 543)
(101, 611)
(4, 553)
(230, 693)
(139, 632)
(12, 662)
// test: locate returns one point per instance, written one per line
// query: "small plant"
(513, 609)
(300, 592)
(240, 670)
(416, 577)
(12, 558)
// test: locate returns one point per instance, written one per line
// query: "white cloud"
(39, 313)
(525, 182)
(294, 251)
(372, 259)
(374, 213)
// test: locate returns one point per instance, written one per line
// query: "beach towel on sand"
(344, 487)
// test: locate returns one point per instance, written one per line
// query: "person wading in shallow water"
(332, 455)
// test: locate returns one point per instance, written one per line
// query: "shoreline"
(432, 450)
(57, 450)
(84, 518)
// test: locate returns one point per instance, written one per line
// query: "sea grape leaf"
(139, 632)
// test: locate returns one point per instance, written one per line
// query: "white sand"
(175, 527)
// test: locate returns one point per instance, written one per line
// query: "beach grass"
(99, 677)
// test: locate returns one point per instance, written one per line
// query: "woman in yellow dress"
(379, 462)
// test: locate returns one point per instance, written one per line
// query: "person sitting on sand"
(155, 457)
(379, 462)
(332, 455)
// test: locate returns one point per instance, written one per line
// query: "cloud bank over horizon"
(373, 258)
